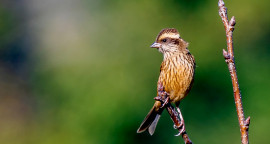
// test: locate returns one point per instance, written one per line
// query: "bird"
(176, 75)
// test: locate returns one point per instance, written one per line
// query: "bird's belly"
(177, 83)
(177, 90)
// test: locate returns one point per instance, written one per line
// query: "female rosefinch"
(176, 74)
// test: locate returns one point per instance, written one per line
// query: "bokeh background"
(82, 72)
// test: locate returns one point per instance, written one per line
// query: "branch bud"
(232, 21)
(221, 3)
(225, 54)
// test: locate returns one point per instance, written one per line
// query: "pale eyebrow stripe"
(170, 35)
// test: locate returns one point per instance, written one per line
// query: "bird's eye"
(164, 40)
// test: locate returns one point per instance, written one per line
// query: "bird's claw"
(181, 126)
(181, 129)
(180, 132)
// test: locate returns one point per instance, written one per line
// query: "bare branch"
(229, 59)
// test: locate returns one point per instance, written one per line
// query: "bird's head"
(169, 41)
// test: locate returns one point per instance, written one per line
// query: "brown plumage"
(176, 73)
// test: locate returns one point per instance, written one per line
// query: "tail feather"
(150, 122)
(153, 126)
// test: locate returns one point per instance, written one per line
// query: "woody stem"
(229, 59)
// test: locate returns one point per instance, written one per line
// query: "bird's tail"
(151, 120)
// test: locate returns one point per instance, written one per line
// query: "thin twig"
(229, 58)
(173, 113)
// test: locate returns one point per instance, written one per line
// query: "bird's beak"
(155, 45)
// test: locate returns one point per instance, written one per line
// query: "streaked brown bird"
(176, 74)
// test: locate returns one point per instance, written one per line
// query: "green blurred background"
(82, 72)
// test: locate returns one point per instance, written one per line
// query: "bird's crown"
(168, 33)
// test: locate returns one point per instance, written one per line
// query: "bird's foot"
(181, 128)
(162, 93)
